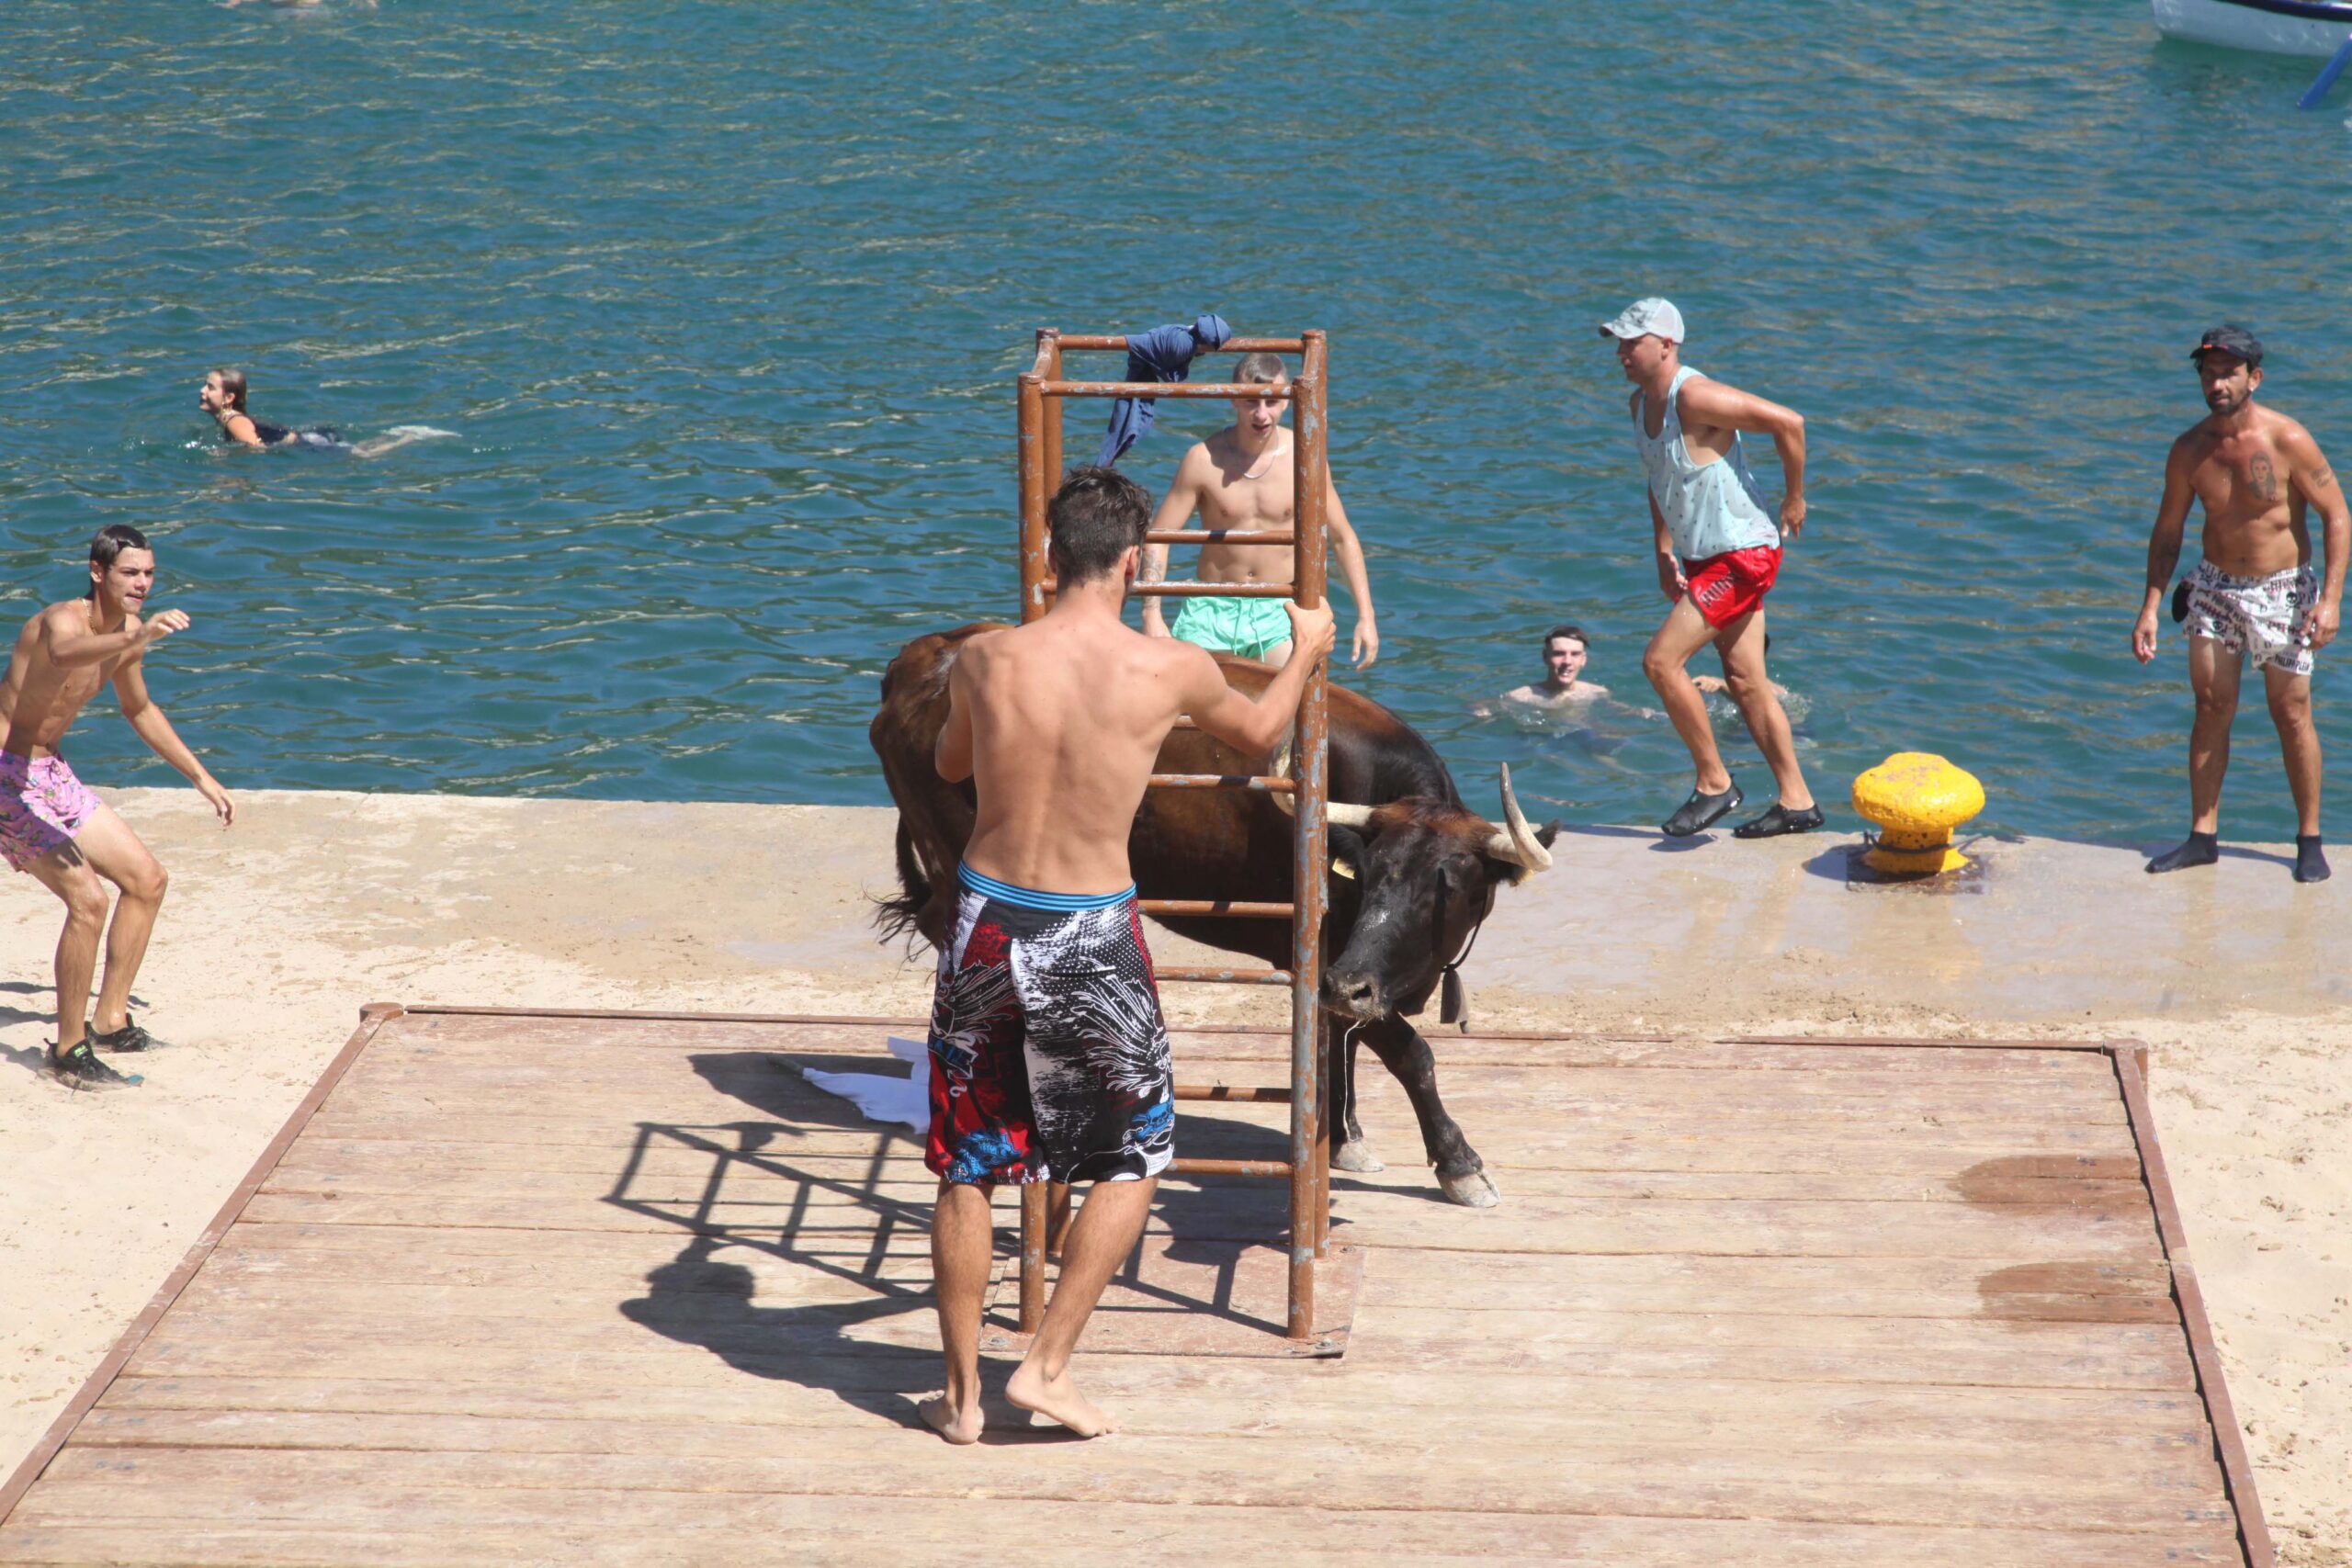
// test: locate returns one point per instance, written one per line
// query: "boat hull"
(2293, 28)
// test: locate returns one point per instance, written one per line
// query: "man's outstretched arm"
(1711, 403)
(2163, 549)
(1350, 549)
(1175, 513)
(1256, 727)
(148, 722)
(2308, 471)
(71, 647)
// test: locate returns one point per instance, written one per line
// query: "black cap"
(2235, 341)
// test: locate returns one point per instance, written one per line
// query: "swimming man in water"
(53, 827)
(1049, 1058)
(2255, 471)
(1718, 553)
(1242, 478)
(1565, 651)
(223, 397)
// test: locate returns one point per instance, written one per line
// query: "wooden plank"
(654, 1328)
(1205, 1396)
(2238, 1466)
(399, 1080)
(2173, 1457)
(671, 1172)
(396, 1261)
(851, 1532)
(98, 1485)
(847, 1045)
(1392, 1218)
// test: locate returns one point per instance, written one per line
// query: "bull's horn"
(1336, 813)
(1514, 842)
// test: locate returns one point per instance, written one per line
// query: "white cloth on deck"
(905, 1100)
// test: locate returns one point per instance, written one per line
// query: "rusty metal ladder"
(1043, 389)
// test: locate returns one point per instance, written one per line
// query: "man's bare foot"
(958, 1426)
(1057, 1400)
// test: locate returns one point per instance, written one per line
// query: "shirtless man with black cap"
(2255, 472)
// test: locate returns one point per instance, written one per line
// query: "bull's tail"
(896, 917)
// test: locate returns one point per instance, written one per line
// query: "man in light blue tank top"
(1718, 555)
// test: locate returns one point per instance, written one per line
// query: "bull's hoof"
(1471, 1190)
(1356, 1154)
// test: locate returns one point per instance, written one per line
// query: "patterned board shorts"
(42, 806)
(2265, 617)
(1049, 1055)
(1251, 627)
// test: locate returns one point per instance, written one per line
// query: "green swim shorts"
(1251, 627)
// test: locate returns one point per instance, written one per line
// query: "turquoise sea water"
(723, 302)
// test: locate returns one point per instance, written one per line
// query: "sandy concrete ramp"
(625, 1289)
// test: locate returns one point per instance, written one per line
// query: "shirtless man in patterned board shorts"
(1048, 1056)
(54, 827)
(2255, 472)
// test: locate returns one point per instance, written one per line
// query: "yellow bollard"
(1916, 798)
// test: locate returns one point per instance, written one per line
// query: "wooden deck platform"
(598, 1289)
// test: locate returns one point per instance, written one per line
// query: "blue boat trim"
(2312, 10)
(1030, 898)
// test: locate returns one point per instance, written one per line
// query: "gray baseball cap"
(1646, 318)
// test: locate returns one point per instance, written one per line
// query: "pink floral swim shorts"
(42, 806)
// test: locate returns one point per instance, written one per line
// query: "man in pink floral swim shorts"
(53, 827)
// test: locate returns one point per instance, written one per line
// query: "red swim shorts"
(1728, 586)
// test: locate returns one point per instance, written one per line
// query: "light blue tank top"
(1710, 508)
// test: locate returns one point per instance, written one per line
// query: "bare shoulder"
(2191, 445)
(65, 615)
(2288, 432)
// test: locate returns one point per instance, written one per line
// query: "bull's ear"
(1546, 833)
(1347, 852)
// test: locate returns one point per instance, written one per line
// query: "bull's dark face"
(1426, 878)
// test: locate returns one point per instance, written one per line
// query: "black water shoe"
(1700, 812)
(1777, 820)
(81, 1069)
(2311, 861)
(2201, 849)
(130, 1037)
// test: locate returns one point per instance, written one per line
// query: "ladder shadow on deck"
(759, 1195)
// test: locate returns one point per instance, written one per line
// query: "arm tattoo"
(2323, 478)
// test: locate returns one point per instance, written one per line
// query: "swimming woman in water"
(223, 397)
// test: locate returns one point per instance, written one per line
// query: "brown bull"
(1419, 872)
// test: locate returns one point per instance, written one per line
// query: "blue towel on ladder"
(1164, 353)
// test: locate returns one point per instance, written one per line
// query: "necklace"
(1254, 471)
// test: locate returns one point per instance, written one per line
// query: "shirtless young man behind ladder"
(1245, 479)
(1049, 1060)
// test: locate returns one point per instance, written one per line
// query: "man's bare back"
(1059, 722)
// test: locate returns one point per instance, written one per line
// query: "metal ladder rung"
(1199, 590)
(1265, 782)
(1221, 536)
(1180, 1166)
(1236, 909)
(1208, 975)
(1242, 1094)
